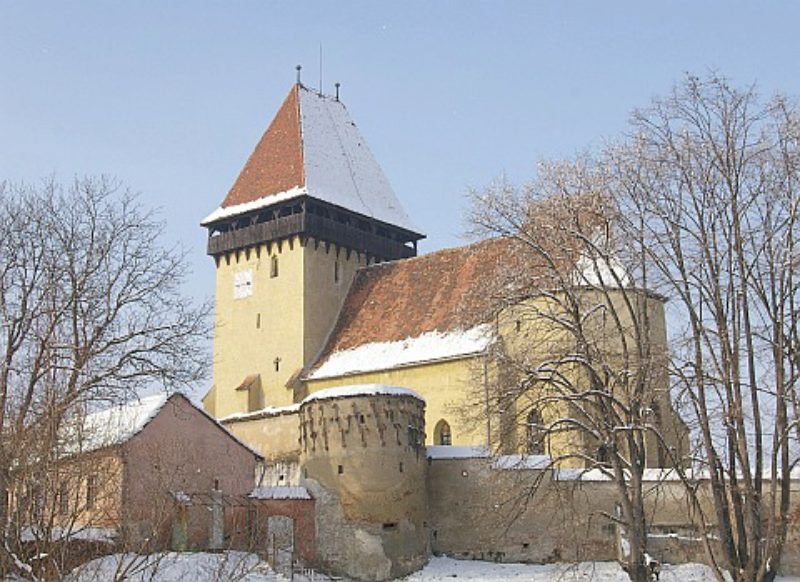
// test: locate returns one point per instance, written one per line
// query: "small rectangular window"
(258, 321)
(273, 267)
(336, 272)
(63, 498)
(91, 491)
(340, 470)
(401, 467)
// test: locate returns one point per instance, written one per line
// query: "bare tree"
(708, 181)
(699, 204)
(580, 367)
(91, 311)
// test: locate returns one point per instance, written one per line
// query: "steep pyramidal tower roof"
(313, 148)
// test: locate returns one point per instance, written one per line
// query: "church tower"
(310, 207)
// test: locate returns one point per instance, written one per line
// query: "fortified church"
(343, 358)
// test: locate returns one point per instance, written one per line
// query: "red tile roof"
(276, 164)
(459, 288)
(313, 148)
(452, 289)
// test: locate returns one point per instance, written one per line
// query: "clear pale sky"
(171, 97)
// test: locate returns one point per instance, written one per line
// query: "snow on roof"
(582, 475)
(252, 205)
(392, 303)
(313, 148)
(262, 413)
(428, 347)
(361, 390)
(517, 462)
(459, 452)
(117, 424)
(95, 534)
(596, 270)
(339, 168)
(280, 493)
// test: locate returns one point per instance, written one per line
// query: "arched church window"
(534, 433)
(442, 434)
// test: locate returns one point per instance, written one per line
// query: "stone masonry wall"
(480, 512)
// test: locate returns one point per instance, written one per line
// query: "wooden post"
(217, 534)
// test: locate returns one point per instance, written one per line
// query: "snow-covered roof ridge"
(280, 492)
(116, 424)
(443, 452)
(261, 413)
(361, 390)
(424, 348)
(257, 204)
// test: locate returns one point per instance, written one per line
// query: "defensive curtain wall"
(384, 503)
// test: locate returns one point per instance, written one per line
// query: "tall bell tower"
(310, 206)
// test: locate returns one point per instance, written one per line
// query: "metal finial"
(337, 85)
(298, 68)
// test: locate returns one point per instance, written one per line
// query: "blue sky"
(171, 97)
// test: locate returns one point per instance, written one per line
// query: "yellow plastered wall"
(446, 387)
(534, 338)
(324, 291)
(276, 437)
(252, 331)
(285, 317)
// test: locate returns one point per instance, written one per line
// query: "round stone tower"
(363, 458)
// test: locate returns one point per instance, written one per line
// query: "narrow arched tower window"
(442, 434)
(534, 433)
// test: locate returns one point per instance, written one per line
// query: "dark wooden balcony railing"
(311, 225)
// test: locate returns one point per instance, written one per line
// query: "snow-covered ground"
(176, 567)
(239, 566)
(447, 569)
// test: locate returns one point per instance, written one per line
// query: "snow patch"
(450, 452)
(262, 413)
(595, 270)
(94, 534)
(520, 462)
(361, 390)
(280, 493)
(253, 205)
(442, 569)
(175, 567)
(339, 167)
(582, 475)
(430, 346)
(115, 425)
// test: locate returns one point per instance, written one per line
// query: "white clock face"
(243, 284)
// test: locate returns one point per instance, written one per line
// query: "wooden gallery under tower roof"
(310, 207)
